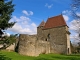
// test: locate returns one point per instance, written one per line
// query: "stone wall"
(57, 38)
(40, 33)
(42, 47)
(29, 45)
(11, 47)
(1, 45)
(68, 41)
(54, 40)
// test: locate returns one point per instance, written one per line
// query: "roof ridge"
(56, 16)
(55, 22)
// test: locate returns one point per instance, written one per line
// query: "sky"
(29, 13)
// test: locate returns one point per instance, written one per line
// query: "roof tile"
(55, 22)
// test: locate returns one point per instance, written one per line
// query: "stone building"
(53, 36)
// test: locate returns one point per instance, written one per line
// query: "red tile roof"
(55, 22)
(42, 24)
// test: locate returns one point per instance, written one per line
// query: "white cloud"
(5, 34)
(27, 13)
(74, 25)
(24, 28)
(24, 25)
(49, 6)
(31, 13)
(24, 18)
(17, 28)
(66, 17)
(21, 19)
(14, 18)
(67, 12)
(33, 24)
(78, 13)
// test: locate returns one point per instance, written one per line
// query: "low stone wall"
(26, 45)
(1, 45)
(42, 47)
(11, 47)
(29, 45)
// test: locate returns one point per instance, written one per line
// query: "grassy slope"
(14, 56)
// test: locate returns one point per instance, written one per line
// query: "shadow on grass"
(3, 57)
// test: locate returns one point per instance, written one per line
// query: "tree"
(10, 40)
(6, 9)
(75, 8)
(7, 41)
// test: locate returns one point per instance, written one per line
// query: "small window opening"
(46, 39)
(48, 36)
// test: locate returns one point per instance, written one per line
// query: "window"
(48, 36)
(46, 39)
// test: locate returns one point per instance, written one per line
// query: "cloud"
(21, 19)
(24, 28)
(24, 25)
(74, 25)
(28, 13)
(31, 13)
(5, 34)
(49, 6)
(67, 12)
(17, 28)
(78, 14)
(66, 17)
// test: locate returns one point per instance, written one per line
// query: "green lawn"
(4, 55)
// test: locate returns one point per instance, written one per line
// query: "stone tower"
(40, 30)
(55, 31)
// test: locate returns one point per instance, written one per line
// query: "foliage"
(10, 40)
(15, 56)
(6, 9)
(7, 41)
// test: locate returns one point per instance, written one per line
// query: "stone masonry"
(52, 36)
(29, 45)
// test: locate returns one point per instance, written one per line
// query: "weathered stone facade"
(58, 38)
(52, 37)
(29, 45)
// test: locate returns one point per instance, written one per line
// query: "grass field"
(4, 55)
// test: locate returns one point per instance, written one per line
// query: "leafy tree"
(6, 9)
(10, 40)
(2, 0)
(7, 41)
